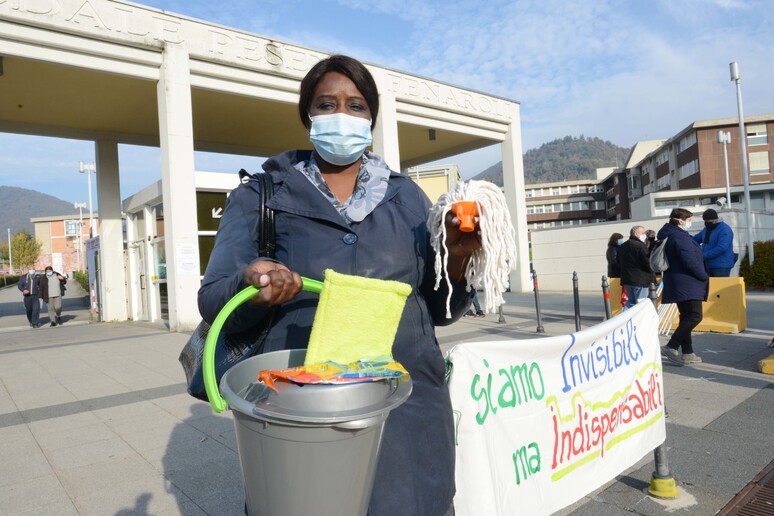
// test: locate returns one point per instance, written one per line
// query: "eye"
(325, 106)
(357, 107)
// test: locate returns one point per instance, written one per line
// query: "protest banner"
(540, 423)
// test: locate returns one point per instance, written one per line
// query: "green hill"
(19, 205)
(564, 159)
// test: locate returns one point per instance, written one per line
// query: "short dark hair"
(48, 267)
(614, 238)
(679, 214)
(345, 65)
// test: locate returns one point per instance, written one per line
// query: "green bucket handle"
(208, 356)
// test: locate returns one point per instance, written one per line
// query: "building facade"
(689, 169)
(63, 241)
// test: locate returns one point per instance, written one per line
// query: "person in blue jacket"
(717, 244)
(686, 283)
(341, 207)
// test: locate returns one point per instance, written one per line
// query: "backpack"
(658, 259)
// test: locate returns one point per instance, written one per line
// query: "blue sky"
(621, 70)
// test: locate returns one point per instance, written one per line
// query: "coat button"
(350, 238)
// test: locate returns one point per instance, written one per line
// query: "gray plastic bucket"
(312, 449)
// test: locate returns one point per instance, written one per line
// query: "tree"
(25, 249)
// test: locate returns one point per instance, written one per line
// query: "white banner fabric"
(540, 423)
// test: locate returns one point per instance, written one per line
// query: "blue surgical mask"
(620, 241)
(340, 139)
(49, 274)
(687, 225)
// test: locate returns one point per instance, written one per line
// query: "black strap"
(264, 185)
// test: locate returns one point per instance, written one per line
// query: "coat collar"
(293, 193)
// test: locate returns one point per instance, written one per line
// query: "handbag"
(232, 348)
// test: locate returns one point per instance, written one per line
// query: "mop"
(489, 266)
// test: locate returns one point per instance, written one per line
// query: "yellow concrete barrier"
(767, 365)
(725, 310)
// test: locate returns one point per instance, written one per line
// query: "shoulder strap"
(263, 184)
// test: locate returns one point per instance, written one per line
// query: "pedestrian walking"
(477, 306)
(29, 284)
(636, 274)
(686, 283)
(613, 265)
(52, 289)
(717, 244)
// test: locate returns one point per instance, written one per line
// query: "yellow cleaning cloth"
(356, 318)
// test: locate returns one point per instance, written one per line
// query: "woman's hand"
(278, 284)
(461, 246)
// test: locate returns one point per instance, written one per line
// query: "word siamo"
(591, 428)
(518, 384)
(601, 358)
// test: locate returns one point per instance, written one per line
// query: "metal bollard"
(501, 320)
(537, 302)
(662, 482)
(606, 298)
(576, 300)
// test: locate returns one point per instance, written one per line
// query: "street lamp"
(10, 253)
(88, 169)
(724, 137)
(734, 69)
(80, 206)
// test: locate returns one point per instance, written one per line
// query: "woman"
(613, 265)
(686, 283)
(52, 289)
(336, 207)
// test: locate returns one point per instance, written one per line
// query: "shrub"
(82, 278)
(761, 274)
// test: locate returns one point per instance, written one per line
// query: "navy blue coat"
(31, 284)
(719, 250)
(415, 475)
(687, 278)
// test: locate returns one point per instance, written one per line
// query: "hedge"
(761, 274)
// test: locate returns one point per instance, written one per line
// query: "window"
(756, 134)
(686, 142)
(759, 163)
(688, 169)
(662, 158)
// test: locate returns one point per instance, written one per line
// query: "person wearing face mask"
(29, 284)
(52, 288)
(686, 283)
(717, 244)
(613, 265)
(340, 206)
(636, 274)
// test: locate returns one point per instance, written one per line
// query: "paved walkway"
(94, 418)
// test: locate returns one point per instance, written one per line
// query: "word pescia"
(601, 358)
(590, 425)
(517, 384)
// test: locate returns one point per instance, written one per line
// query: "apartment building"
(688, 170)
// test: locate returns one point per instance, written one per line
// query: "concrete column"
(386, 131)
(150, 289)
(111, 238)
(178, 188)
(513, 182)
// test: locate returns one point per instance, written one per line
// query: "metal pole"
(725, 138)
(662, 482)
(576, 300)
(10, 252)
(88, 168)
(501, 319)
(535, 288)
(734, 67)
(606, 298)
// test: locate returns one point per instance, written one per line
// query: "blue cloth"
(719, 250)
(415, 475)
(720, 272)
(687, 278)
